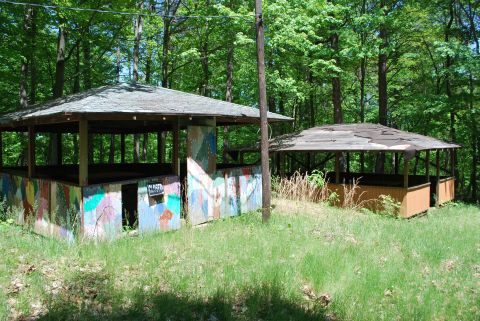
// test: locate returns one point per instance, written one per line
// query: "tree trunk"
(228, 93)
(23, 83)
(136, 47)
(136, 57)
(382, 71)
(60, 65)
(336, 85)
(382, 84)
(87, 71)
(448, 65)
(119, 62)
(204, 86)
(76, 78)
(32, 63)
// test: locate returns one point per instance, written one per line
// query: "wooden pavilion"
(96, 200)
(416, 193)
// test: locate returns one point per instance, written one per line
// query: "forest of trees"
(413, 65)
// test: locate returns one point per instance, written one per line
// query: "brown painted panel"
(417, 201)
(446, 190)
(412, 201)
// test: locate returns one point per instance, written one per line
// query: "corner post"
(427, 166)
(337, 168)
(281, 167)
(348, 163)
(437, 187)
(59, 149)
(122, 148)
(452, 162)
(83, 153)
(1, 151)
(176, 148)
(405, 171)
(395, 160)
(160, 156)
(31, 151)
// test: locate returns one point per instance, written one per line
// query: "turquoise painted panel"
(159, 213)
(102, 211)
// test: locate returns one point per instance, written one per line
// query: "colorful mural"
(53, 207)
(162, 212)
(202, 147)
(217, 194)
(102, 211)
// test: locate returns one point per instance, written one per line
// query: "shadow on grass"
(264, 302)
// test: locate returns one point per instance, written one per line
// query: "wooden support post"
(396, 160)
(59, 149)
(452, 162)
(281, 167)
(176, 149)
(122, 148)
(405, 171)
(1, 151)
(337, 168)
(437, 187)
(427, 166)
(159, 148)
(396, 163)
(31, 151)
(348, 163)
(83, 153)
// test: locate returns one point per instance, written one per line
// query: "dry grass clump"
(302, 187)
(314, 188)
(351, 197)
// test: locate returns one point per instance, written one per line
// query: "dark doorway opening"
(129, 205)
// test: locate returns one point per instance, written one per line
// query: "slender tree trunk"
(204, 60)
(136, 58)
(87, 65)
(136, 47)
(29, 28)
(448, 65)
(32, 63)
(165, 51)
(382, 84)
(60, 66)
(336, 85)
(119, 64)
(228, 94)
(382, 71)
(23, 83)
(76, 78)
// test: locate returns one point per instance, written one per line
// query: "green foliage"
(389, 206)
(300, 64)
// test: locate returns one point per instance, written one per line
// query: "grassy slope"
(374, 268)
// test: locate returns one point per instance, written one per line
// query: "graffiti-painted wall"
(216, 194)
(161, 212)
(102, 211)
(53, 207)
(237, 191)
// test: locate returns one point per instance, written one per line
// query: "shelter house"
(415, 193)
(97, 200)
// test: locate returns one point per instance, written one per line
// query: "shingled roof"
(134, 99)
(355, 138)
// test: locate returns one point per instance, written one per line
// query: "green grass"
(372, 267)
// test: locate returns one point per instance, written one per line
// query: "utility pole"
(262, 95)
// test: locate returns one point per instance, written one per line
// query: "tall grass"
(296, 267)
